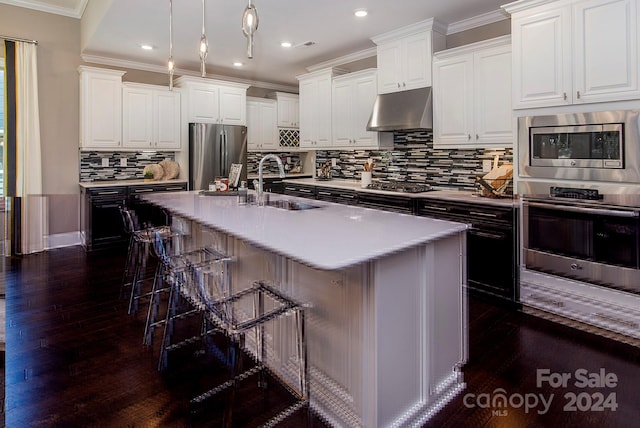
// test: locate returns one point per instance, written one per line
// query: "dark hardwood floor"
(74, 358)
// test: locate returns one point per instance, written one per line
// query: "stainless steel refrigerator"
(212, 150)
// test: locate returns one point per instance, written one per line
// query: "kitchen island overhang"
(387, 309)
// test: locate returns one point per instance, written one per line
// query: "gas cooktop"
(400, 187)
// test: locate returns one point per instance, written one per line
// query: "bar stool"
(140, 243)
(176, 271)
(244, 317)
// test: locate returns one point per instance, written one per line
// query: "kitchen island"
(387, 312)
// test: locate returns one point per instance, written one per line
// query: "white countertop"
(332, 237)
(112, 183)
(451, 195)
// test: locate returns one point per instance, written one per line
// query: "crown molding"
(346, 59)
(57, 10)
(134, 65)
(477, 21)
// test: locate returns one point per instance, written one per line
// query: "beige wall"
(58, 88)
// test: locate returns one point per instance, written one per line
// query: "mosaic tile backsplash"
(414, 159)
(289, 159)
(91, 168)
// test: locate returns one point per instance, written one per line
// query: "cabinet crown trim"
(520, 5)
(87, 69)
(188, 80)
(333, 72)
(427, 25)
(472, 47)
(277, 94)
(356, 74)
(148, 86)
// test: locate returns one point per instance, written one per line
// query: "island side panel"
(419, 333)
(335, 338)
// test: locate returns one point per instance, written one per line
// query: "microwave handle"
(585, 210)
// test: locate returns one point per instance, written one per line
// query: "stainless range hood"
(403, 110)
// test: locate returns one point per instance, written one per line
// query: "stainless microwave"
(580, 146)
(598, 146)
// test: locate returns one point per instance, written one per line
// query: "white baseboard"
(60, 240)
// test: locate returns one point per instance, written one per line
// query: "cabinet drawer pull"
(436, 208)
(476, 232)
(547, 300)
(324, 193)
(142, 190)
(483, 214)
(615, 320)
(348, 196)
(174, 188)
(113, 192)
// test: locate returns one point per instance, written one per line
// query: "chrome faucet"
(259, 190)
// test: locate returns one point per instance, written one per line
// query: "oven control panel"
(574, 193)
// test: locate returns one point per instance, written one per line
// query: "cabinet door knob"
(477, 138)
(404, 85)
(578, 94)
(398, 84)
(564, 96)
(469, 137)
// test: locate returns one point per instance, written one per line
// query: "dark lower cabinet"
(101, 221)
(102, 225)
(492, 248)
(300, 190)
(339, 196)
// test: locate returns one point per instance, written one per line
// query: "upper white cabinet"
(262, 132)
(288, 109)
(352, 102)
(315, 109)
(214, 101)
(100, 108)
(570, 52)
(404, 56)
(151, 117)
(472, 96)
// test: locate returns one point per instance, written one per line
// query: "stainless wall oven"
(583, 235)
(596, 146)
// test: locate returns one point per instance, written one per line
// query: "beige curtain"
(28, 156)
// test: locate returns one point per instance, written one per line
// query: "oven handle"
(597, 211)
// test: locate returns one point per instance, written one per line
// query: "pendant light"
(204, 46)
(170, 64)
(249, 26)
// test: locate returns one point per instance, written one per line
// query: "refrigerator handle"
(221, 154)
(225, 173)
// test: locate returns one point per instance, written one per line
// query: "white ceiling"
(121, 26)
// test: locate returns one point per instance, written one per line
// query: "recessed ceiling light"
(238, 64)
(360, 13)
(285, 44)
(147, 47)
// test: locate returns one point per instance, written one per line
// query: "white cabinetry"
(404, 56)
(214, 101)
(100, 108)
(472, 96)
(262, 132)
(315, 109)
(571, 52)
(151, 117)
(352, 102)
(288, 109)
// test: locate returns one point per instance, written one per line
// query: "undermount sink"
(286, 204)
